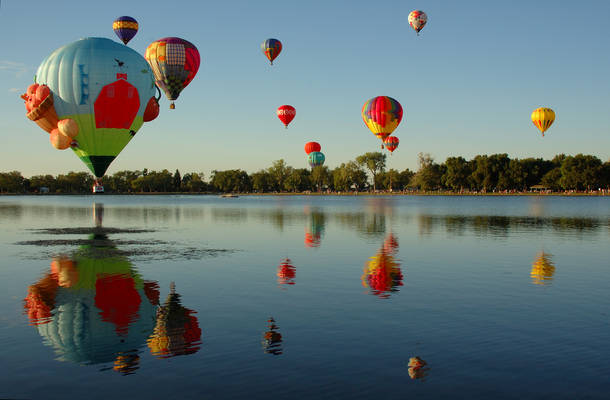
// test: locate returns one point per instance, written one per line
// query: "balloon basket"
(172, 106)
(44, 115)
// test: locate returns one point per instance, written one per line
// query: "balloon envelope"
(271, 48)
(104, 87)
(174, 63)
(312, 146)
(543, 118)
(391, 143)
(381, 115)
(286, 114)
(417, 20)
(125, 28)
(315, 159)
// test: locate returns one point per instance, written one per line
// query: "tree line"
(483, 173)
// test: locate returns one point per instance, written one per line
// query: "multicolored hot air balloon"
(174, 63)
(543, 118)
(417, 20)
(312, 146)
(125, 28)
(381, 115)
(286, 114)
(271, 49)
(91, 95)
(391, 143)
(315, 159)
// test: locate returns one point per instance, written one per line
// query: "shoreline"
(337, 194)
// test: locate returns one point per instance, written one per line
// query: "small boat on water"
(229, 195)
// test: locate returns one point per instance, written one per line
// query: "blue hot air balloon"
(315, 159)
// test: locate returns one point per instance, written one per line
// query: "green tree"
(429, 174)
(176, 181)
(321, 176)
(193, 182)
(456, 174)
(11, 182)
(233, 180)
(349, 175)
(580, 172)
(298, 180)
(40, 181)
(374, 162)
(279, 171)
(262, 181)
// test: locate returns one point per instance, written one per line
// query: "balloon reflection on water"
(176, 330)
(543, 269)
(315, 229)
(417, 368)
(93, 310)
(272, 339)
(382, 272)
(93, 307)
(286, 272)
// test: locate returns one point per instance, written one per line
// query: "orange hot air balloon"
(391, 143)
(312, 146)
(286, 114)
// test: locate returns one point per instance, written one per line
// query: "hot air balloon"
(286, 114)
(312, 146)
(174, 63)
(543, 118)
(125, 28)
(96, 94)
(271, 48)
(315, 159)
(391, 143)
(382, 115)
(417, 20)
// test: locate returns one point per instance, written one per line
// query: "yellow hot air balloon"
(543, 118)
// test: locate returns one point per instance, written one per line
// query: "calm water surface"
(305, 297)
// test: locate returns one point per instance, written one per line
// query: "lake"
(305, 297)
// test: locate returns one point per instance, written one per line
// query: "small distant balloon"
(125, 28)
(391, 143)
(417, 20)
(312, 146)
(271, 48)
(286, 114)
(543, 118)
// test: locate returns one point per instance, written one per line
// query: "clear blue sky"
(467, 84)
